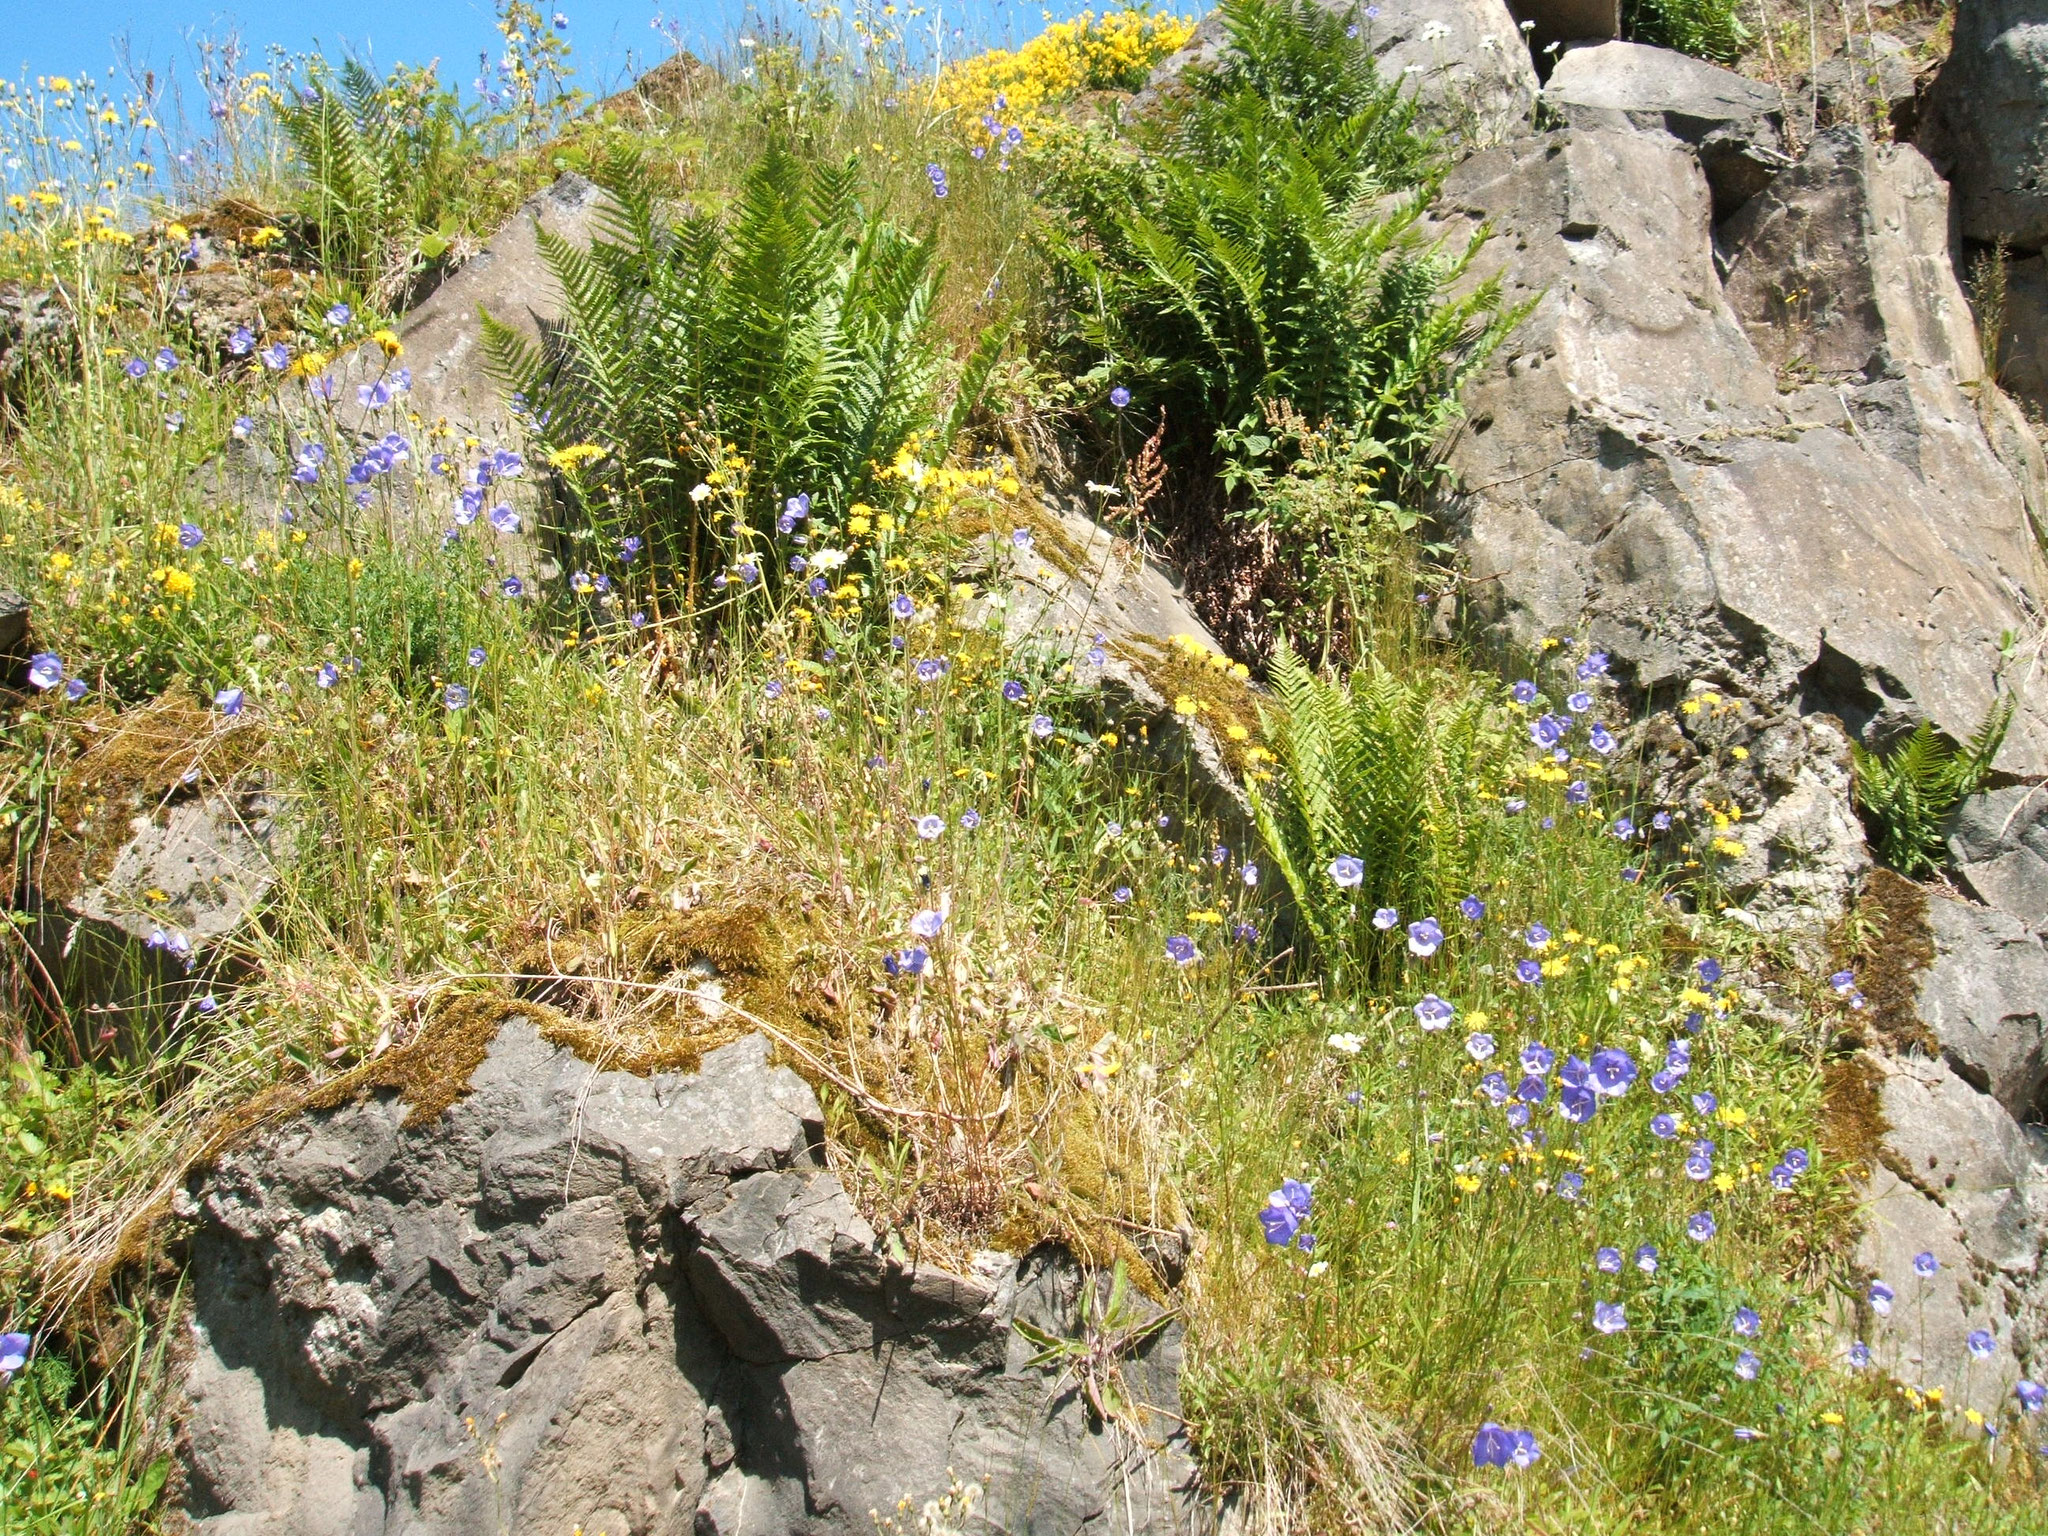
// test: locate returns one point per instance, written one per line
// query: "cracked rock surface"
(1962, 1168)
(635, 1305)
(1642, 462)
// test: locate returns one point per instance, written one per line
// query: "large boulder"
(1998, 842)
(1632, 468)
(1869, 81)
(583, 1299)
(1957, 1178)
(1841, 273)
(1075, 593)
(1465, 60)
(442, 336)
(1804, 851)
(162, 859)
(1734, 124)
(1987, 121)
(1961, 1169)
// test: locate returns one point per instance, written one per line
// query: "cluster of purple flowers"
(1285, 1214)
(1844, 986)
(1677, 1062)
(46, 671)
(380, 458)
(1788, 1168)
(379, 393)
(1005, 138)
(1495, 1446)
(173, 943)
(907, 962)
(1548, 731)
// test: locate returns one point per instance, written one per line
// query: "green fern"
(1264, 245)
(796, 333)
(1707, 29)
(379, 159)
(1907, 797)
(1384, 769)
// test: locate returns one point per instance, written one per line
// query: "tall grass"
(1120, 1031)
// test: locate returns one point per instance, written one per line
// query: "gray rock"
(1464, 59)
(1996, 821)
(637, 1305)
(1630, 467)
(1843, 267)
(1957, 1178)
(1805, 852)
(2015, 882)
(1735, 124)
(1841, 275)
(443, 337)
(1987, 121)
(1999, 845)
(1867, 81)
(1985, 1000)
(146, 936)
(1080, 581)
(1962, 1166)
(14, 613)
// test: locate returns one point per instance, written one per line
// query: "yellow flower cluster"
(1111, 52)
(1197, 651)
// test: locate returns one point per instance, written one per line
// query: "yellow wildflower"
(388, 340)
(576, 456)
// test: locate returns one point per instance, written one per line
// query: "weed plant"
(1707, 29)
(1505, 1185)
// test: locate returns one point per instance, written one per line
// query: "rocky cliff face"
(1818, 520)
(583, 1299)
(1745, 437)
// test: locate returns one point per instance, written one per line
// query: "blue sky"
(610, 36)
